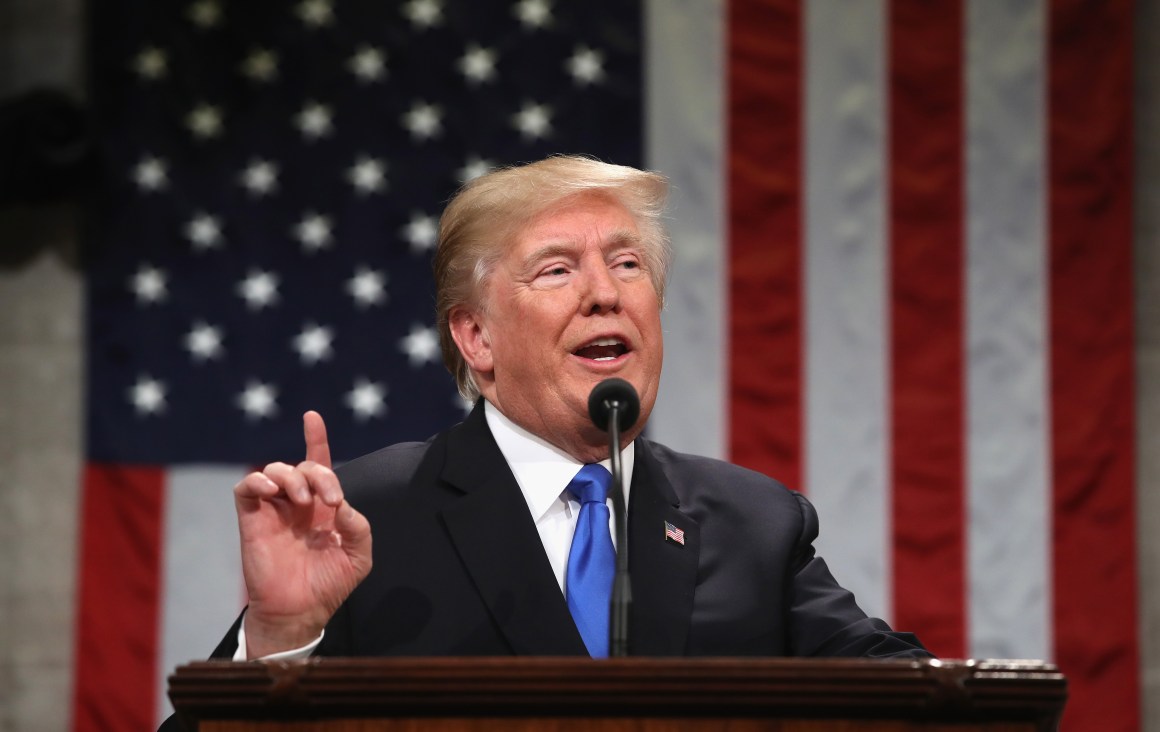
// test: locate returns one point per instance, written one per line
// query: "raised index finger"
(314, 429)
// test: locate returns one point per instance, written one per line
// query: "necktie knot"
(591, 484)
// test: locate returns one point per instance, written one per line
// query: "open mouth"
(602, 349)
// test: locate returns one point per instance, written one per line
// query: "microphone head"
(610, 392)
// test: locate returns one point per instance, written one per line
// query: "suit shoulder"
(744, 500)
(391, 465)
(692, 475)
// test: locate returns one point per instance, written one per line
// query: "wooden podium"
(647, 694)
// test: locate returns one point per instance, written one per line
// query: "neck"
(587, 444)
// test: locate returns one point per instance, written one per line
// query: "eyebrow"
(622, 239)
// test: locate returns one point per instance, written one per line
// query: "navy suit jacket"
(459, 568)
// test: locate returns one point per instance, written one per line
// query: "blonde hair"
(488, 212)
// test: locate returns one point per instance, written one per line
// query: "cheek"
(650, 321)
(652, 335)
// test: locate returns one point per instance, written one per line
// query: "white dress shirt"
(543, 473)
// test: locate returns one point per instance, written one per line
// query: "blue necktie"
(592, 560)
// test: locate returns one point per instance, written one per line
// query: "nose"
(600, 290)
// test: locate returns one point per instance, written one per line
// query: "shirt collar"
(542, 470)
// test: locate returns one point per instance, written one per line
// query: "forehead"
(584, 218)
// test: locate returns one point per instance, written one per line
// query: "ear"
(470, 335)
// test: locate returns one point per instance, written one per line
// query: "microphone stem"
(621, 587)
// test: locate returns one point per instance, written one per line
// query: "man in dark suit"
(550, 279)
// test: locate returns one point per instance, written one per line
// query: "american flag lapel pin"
(673, 534)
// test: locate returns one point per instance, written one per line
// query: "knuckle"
(250, 480)
(319, 471)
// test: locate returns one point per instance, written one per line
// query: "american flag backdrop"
(902, 285)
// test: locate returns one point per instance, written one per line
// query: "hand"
(304, 548)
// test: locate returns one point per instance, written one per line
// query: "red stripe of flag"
(926, 224)
(764, 182)
(1092, 393)
(119, 599)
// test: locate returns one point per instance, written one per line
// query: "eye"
(626, 263)
(556, 270)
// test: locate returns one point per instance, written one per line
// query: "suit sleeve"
(229, 643)
(824, 618)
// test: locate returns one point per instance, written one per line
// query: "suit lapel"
(664, 571)
(498, 543)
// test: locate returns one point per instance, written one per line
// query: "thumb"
(314, 430)
(353, 529)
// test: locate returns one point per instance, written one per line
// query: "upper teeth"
(605, 342)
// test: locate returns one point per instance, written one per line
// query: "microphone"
(614, 405)
(614, 395)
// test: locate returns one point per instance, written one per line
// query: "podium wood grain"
(637, 694)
